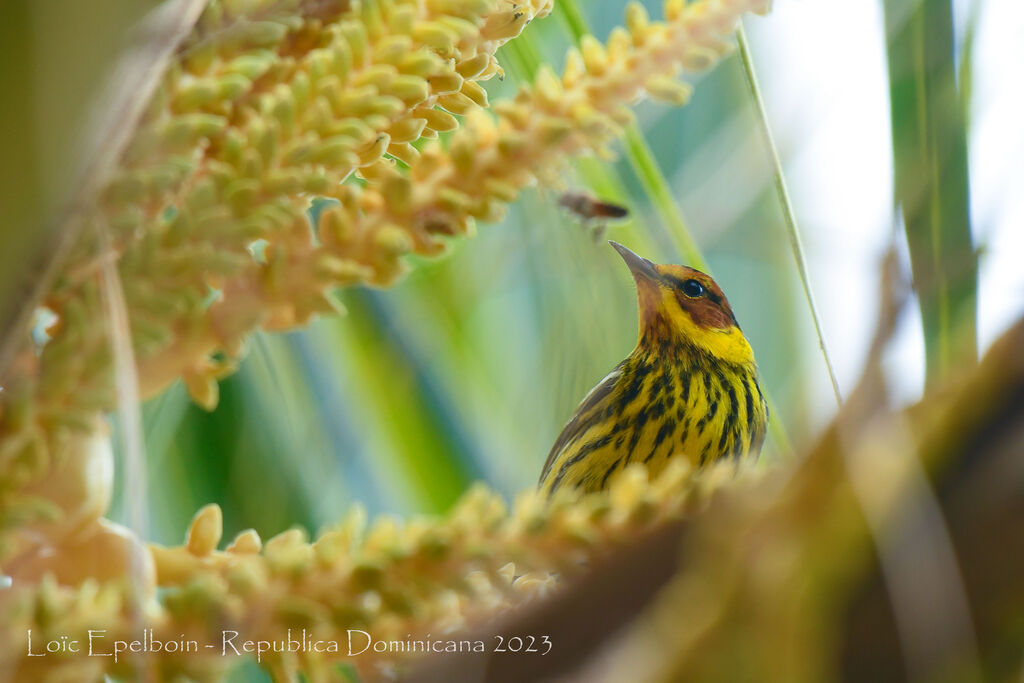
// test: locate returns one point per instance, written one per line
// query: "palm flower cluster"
(375, 107)
(262, 111)
(397, 580)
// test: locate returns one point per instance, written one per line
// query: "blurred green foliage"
(931, 186)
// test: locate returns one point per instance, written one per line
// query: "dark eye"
(693, 289)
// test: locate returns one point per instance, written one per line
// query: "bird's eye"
(693, 289)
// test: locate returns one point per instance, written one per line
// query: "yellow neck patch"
(727, 344)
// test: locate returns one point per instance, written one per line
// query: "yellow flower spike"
(503, 26)
(452, 200)
(474, 66)
(626, 488)
(421, 63)
(284, 181)
(241, 194)
(577, 527)
(483, 126)
(353, 525)
(594, 57)
(321, 65)
(199, 59)
(536, 584)
(475, 92)
(392, 240)
(623, 117)
(698, 58)
(397, 191)
(319, 115)
(436, 35)
(360, 133)
(410, 89)
(513, 114)
(234, 142)
(195, 94)
(554, 131)
(574, 69)
(205, 532)
(188, 129)
(334, 228)
(252, 66)
(247, 580)
(620, 45)
(438, 120)
(377, 121)
(286, 540)
(404, 152)
(501, 190)
(407, 130)
(591, 122)
(493, 69)
(673, 480)
(339, 271)
(201, 388)
(300, 89)
(262, 33)
(507, 572)
(283, 109)
(251, 165)
(337, 152)
(316, 183)
(463, 153)
(464, 30)
(457, 103)
(174, 565)
(669, 90)
(480, 587)
(378, 75)
(455, 7)
(674, 9)
(720, 19)
(331, 549)
(292, 561)
(402, 19)
(341, 54)
(372, 21)
(246, 543)
(355, 35)
(445, 83)
(637, 21)
(373, 152)
(376, 172)
(385, 106)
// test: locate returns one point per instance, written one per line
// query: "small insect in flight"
(592, 212)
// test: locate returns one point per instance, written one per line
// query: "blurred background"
(468, 368)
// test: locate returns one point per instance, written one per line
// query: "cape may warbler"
(689, 389)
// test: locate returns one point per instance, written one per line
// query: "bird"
(689, 389)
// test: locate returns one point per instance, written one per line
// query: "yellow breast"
(651, 409)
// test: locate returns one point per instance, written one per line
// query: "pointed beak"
(641, 268)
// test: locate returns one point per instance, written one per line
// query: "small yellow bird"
(689, 389)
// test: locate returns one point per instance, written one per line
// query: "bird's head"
(679, 305)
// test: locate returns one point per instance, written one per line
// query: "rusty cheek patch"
(705, 313)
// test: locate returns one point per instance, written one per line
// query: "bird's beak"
(641, 268)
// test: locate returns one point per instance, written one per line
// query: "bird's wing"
(595, 396)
